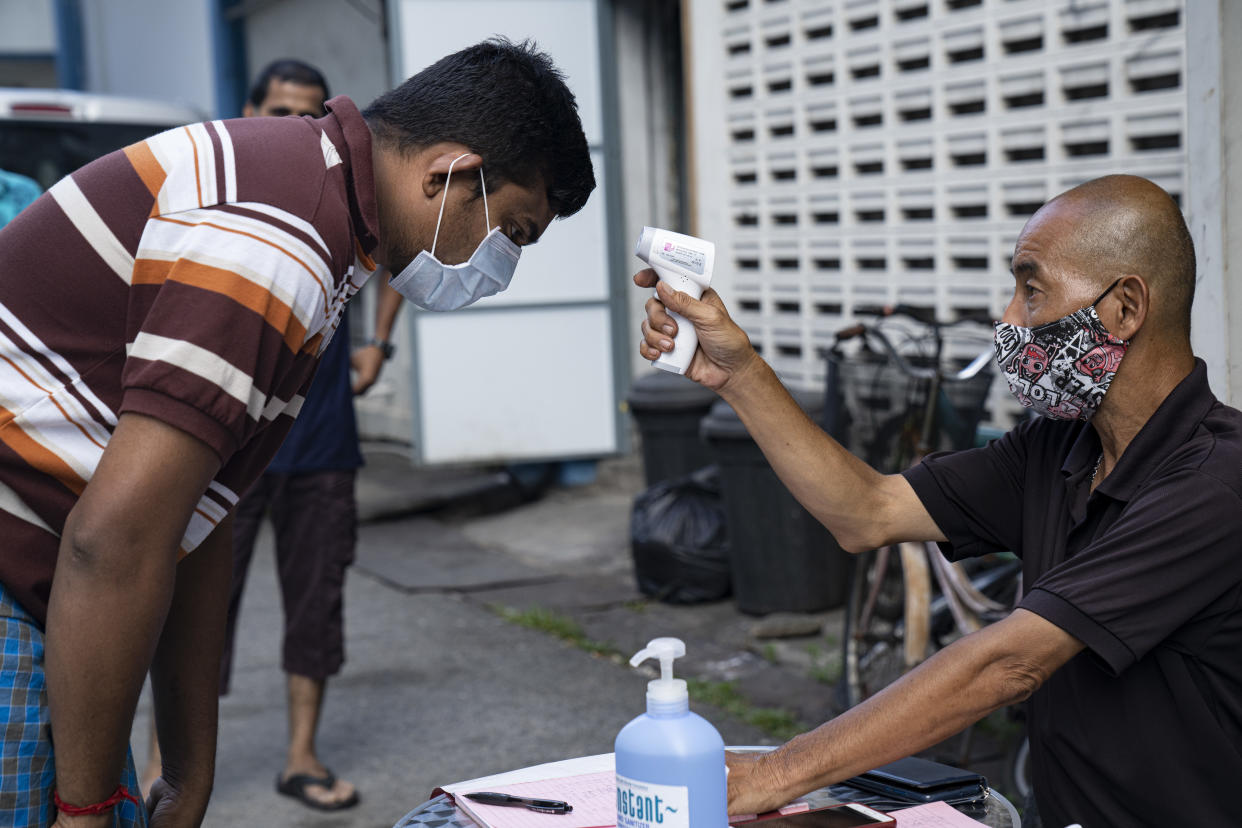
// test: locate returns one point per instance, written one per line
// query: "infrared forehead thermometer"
(683, 263)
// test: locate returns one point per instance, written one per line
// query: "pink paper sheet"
(934, 815)
(593, 796)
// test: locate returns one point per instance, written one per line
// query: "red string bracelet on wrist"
(120, 794)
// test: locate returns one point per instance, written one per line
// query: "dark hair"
(286, 69)
(505, 101)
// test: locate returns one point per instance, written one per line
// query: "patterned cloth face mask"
(1063, 369)
(435, 286)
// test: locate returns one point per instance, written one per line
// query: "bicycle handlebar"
(851, 332)
(976, 365)
(918, 313)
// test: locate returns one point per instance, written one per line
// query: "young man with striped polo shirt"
(161, 314)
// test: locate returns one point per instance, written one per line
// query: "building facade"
(862, 152)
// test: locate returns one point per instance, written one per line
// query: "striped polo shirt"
(194, 277)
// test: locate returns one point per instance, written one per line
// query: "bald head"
(1122, 225)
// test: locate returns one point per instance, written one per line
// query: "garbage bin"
(668, 408)
(782, 558)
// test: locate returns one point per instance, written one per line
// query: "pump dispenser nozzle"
(665, 695)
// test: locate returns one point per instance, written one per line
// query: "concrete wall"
(345, 41)
(852, 153)
(27, 27)
(1214, 28)
(151, 49)
(652, 135)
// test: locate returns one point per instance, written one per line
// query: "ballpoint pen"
(543, 806)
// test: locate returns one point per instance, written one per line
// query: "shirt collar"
(1169, 427)
(350, 134)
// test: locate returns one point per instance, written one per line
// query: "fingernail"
(666, 344)
(668, 329)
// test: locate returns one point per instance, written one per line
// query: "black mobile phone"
(920, 780)
(849, 815)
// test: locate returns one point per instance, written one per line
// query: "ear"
(248, 111)
(1128, 312)
(444, 156)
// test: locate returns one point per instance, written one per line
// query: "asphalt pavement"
(487, 629)
(438, 684)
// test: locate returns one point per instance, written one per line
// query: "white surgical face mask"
(435, 286)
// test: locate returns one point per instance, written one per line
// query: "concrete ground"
(484, 633)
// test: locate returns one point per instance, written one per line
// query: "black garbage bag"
(679, 541)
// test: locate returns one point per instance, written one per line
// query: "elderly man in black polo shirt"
(1124, 502)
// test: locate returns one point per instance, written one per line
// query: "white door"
(533, 372)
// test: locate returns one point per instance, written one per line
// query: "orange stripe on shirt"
(39, 458)
(198, 182)
(223, 281)
(322, 290)
(366, 260)
(52, 397)
(147, 167)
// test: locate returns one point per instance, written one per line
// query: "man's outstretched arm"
(114, 580)
(999, 665)
(860, 506)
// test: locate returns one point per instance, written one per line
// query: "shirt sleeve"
(1171, 554)
(975, 496)
(225, 320)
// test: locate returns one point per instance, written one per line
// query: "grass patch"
(774, 721)
(829, 673)
(559, 626)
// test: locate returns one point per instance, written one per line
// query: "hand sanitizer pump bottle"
(670, 762)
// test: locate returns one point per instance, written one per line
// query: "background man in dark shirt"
(1128, 641)
(309, 492)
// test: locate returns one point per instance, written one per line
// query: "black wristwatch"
(386, 347)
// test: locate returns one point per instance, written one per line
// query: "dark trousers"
(315, 518)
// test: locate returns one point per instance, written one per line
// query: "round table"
(995, 811)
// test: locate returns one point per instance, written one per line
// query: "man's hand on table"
(753, 786)
(724, 348)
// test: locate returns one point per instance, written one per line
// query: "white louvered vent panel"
(891, 150)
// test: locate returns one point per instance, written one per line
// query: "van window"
(47, 151)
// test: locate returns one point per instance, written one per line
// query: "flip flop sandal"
(295, 786)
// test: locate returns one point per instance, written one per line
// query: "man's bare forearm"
(860, 506)
(387, 307)
(114, 580)
(102, 626)
(999, 665)
(185, 672)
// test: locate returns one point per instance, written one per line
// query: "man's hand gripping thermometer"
(683, 263)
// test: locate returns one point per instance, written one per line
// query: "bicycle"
(907, 600)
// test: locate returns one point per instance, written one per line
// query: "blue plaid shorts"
(27, 765)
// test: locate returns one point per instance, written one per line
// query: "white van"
(46, 134)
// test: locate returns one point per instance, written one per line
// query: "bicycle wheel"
(878, 618)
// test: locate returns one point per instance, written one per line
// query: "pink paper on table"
(934, 815)
(592, 795)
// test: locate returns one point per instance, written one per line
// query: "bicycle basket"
(969, 401)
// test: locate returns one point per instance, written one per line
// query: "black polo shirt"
(1144, 727)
